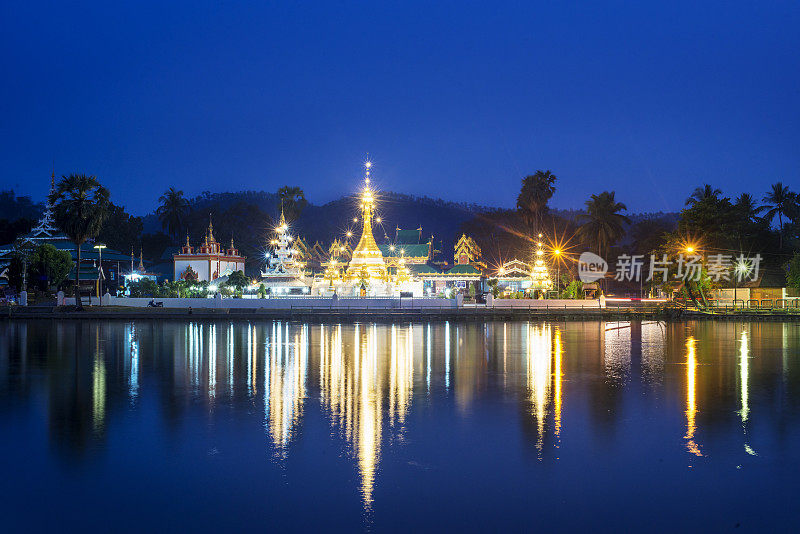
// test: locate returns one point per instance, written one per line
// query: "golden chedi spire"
(367, 257)
(210, 230)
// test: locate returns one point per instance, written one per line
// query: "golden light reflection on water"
(558, 352)
(617, 350)
(98, 387)
(351, 383)
(538, 365)
(744, 412)
(375, 380)
(691, 407)
(285, 371)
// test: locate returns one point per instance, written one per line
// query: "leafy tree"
(49, 265)
(648, 234)
(80, 205)
(172, 212)
(781, 202)
(494, 287)
(793, 271)
(293, 200)
(10, 230)
(153, 245)
(603, 223)
(120, 230)
(574, 290)
(704, 193)
(238, 280)
(709, 218)
(144, 288)
(13, 207)
(262, 291)
(537, 190)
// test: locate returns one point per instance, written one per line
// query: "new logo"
(591, 267)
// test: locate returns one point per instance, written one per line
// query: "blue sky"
(451, 99)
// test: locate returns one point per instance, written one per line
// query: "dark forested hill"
(247, 216)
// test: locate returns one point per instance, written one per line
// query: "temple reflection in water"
(369, 381)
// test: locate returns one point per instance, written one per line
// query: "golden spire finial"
(141, 261)
(282, 222)
(187, 239)
(210, 229)
(232, 243)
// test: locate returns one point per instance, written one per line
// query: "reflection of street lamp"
(100, 248)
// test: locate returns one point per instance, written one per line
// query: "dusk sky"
(454, 100)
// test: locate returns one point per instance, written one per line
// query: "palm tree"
(80, 205)
(700, 194)
(173, 211)
(537, 190)
(747, 206)
(293, 200)
(603, 222)
(781, 202)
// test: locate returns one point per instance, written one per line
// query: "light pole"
(738, 269)
(557, 254)
(100, 248)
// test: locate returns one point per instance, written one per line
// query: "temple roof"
(408, 237)
(411, 251)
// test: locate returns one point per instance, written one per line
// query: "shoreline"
(362, 314)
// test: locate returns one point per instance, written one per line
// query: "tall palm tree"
(293, 200)
(173, 211)
(603, 222)
(747, 206)
(80, 205)
(537, 190)
(781, 202)
(706, 192)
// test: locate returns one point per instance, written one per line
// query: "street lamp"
(100, 248)
(557, 254)
(740, 268)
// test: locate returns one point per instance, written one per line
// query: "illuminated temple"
(366, 273)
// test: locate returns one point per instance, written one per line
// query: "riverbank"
(333, 314)
(349, 314)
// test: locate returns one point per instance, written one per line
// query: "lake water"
(158, 425)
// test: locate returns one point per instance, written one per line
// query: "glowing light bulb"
(378, 219)
(355, 219)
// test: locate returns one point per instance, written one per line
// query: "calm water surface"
(218, 426)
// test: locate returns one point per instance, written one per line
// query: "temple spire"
(210, 229)
(367, 257)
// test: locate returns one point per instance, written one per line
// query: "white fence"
(546, 304)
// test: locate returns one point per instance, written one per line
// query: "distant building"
(285, 271)
(208, 261)
(46, 232)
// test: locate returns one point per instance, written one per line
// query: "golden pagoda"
(540, 275)
(367, 262)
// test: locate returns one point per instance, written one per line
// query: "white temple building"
(208, 261)
(284, 273)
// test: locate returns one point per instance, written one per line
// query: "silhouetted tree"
(80, 205)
